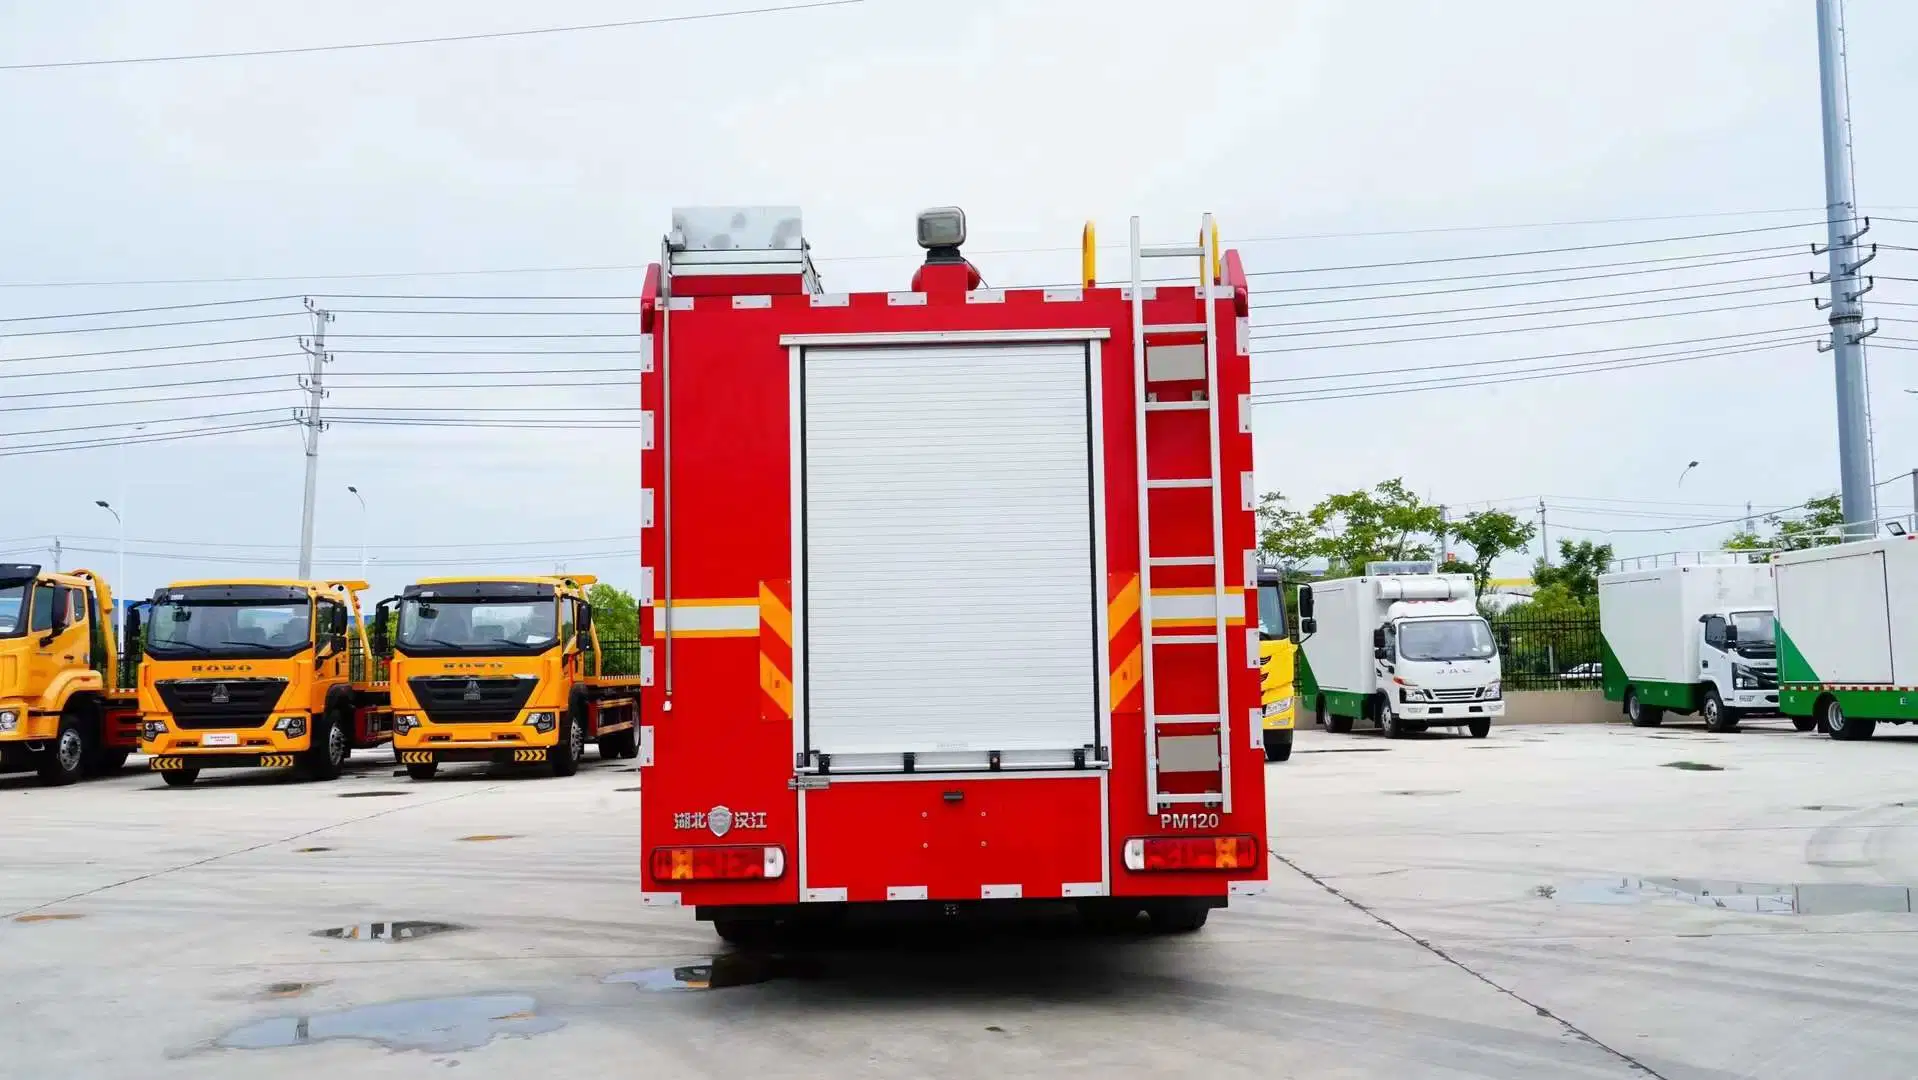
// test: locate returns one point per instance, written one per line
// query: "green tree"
(1287, 538)
(616, 620)
(1579, 564)
(1490, 533)
(1815, 524)
(1387, 522)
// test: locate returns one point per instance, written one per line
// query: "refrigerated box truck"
(1402, 647)
(1692, 639)
(1848, 635)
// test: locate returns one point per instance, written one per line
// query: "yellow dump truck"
(503, 670)
(1277, 655)
(256, 674)
(63, 712)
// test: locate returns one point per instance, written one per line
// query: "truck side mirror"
(133, 626)
(584, 629)
(1378, 653)
(1307, 626)
(1731, 633)
(1305, 603)
(1378, 638)
(382, 638)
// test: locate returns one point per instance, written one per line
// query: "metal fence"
(1548, 654)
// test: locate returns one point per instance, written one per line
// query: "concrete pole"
(1544, 535)
(1843, 228)
(316, 392)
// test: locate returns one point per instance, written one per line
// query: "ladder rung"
(1183, 482)
(1183, 639)
(1166, 797)
(1176, 406)
(1185, 718)
(1170, 251)
(1182, 560)
(1173, 328)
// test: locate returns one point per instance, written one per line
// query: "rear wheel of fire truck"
(1804, 723)
(1278, 745)
(1714, 713)
(181, 777)
(65, 760)
(1479, 727)
(326, 756)
(1641, 714)
(1177, 916)
(563, 756)
(1333, 722)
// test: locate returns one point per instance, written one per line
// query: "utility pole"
(315, 348)
(1445, 550)
(1752, 530)
(1544, 535)
(1843, 229)
(56, 554)
(1914, 503)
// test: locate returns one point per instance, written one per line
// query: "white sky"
(1286, 119)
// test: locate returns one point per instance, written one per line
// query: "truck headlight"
(293, 727)
(1278, 707)
(405, 722)
(1743, 678)
(542, 722)
(9, 719)
(1491, 690)
(153, 729)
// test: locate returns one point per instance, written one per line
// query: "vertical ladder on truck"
(1143, 333)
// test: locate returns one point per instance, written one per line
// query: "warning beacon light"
(941, 230)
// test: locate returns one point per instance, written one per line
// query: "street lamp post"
(1688, 470)
(362, 498)
(120, 574)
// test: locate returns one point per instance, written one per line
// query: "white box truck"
(1848, 635)
(1693, 639)
(1402, 647)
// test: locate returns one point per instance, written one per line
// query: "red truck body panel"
(725, 762)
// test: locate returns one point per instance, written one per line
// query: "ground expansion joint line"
(151, 874)
(1573, 1029)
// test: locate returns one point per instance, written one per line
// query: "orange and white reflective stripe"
(709, 618)
(1177, 609)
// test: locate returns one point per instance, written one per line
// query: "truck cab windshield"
(1756, 633)
(231, 629)
(1271, 612)
(13, 604)
(446, 625)
(1445, 639)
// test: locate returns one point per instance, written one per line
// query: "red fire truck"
(948, 596)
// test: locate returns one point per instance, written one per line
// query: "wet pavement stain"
(310, 850)
(388, 931)
(288, 989)
(1349, 750)
(1755, 898)
(714, 973)
(1828, 807)
(481, 838)
(1692, 766)
(372, 794)
(625, 789)
(51, 916)
(1425, 791)
(437, 1025)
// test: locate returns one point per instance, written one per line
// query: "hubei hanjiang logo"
(720, 820)
(220, 694)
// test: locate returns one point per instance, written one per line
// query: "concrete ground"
(1520, 907)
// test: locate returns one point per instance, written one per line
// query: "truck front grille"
(1767, 678)
(1468, 693)
(199, 704)
(457, 699)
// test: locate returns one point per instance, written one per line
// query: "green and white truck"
(1692, 639)
(1848, 635)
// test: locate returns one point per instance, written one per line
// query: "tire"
(423, 771)
(1715, 715)
(180, 777)
(746, 933)
(326, 757)
(1278, 745)
(1318, 710)
(1389, 722)
(1177, 916)
(66, 760)
(1804, 723)
(1846, 728)
(107, 762)
(1106, 915)
(1640, 714)
(1334, 723)
(620, 744)
(1480, 727)
(564, 756)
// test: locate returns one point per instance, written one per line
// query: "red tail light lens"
(714, 863)
(1191, 853)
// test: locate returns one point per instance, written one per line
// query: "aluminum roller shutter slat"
(949, 573)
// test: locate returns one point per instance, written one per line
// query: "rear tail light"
(1191, 853)
(713, 863)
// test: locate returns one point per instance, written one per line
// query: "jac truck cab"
(1402, 647)
(255, 674)
(63, 712)
(503, 670)
(1276, 662)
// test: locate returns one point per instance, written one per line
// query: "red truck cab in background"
(949, 592)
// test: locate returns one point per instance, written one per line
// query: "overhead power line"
(1726, 339)
(148, 326)
(1394, 264)
(1539, 283)
(442, 39)
(140, 439)
(1488, 333)
(1518, 314)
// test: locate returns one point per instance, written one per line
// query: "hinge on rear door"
(1079, 758)
(806, 782)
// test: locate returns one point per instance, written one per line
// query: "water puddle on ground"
(1757, 898)
(438, 1025)
(714, 973)
(388, 931)
(288, 989)
(372, 794)
(1692, 766)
